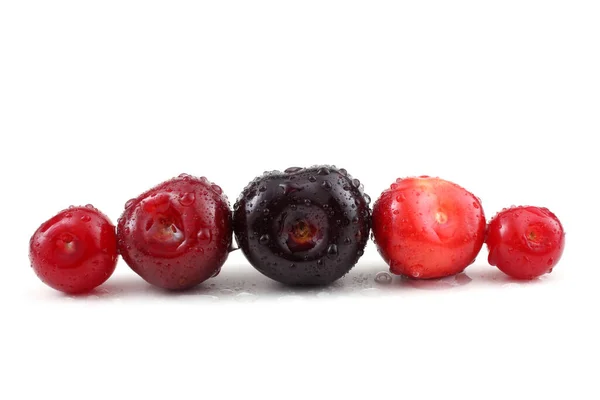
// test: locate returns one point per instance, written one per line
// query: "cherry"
(428, 227)
(177, 234)
(525, 242)
(303, 226)
(74, 251)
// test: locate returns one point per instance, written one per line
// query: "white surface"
(100, 102)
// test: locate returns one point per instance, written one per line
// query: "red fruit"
(525, 242)
(177, 234)
(428, 227)
(74, 251)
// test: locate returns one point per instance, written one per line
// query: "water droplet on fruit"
(292, 266)
(383, 278)
(550, 261)
(187, 199)
(262, 188)
(343, 171)
(68, 215)
(307, 202)
(356, 183)
(217, 271)
(266, 211)
(323, 171)
(326, 185)
(393, 186)
(184, 175)
(367, 198)
(204, 236)
(264, 239)
(319, 262)
(347, 240)
(91, 207)
(129, 203)
(86, 218)
(291, 170)
(475, 205)
(216, 188)
(332, 251)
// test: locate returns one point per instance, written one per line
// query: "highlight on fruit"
(299, 226)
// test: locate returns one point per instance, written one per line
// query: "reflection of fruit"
(74, 251)
(303, 226)
(176, 234)
(428, 227)
(525, 242)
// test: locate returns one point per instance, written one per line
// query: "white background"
(101, 100)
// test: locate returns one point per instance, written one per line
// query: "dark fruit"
(176, 234)
(74, 251)
(428, 227)
(525, 242)
(303, 226)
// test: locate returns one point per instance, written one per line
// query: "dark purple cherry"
(303, 226)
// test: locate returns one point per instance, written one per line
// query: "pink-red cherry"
(428, 227)
(177, 234)
(74, 251)
(525, 242)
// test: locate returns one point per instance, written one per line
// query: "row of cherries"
(302, 226)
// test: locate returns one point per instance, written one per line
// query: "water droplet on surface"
(347, 240)
(264, 239)
(550, 261)
(184, 176)
(323, 171)
(343, 171)
(383, 278)
(312, 178)
(326, 185)
(262, 188)
(246, 297)
(129, 203)
(187, 199)
(367, 198)
(204, 236)
(86, 218)
(356, 183)
(332, 251)
(216, 272)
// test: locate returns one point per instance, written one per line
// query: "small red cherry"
(525, 242)
(74, 251)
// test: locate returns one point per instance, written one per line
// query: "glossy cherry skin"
(428, 227)
(525, 242)
(177, 234)
(303, 226)
(74, 251)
